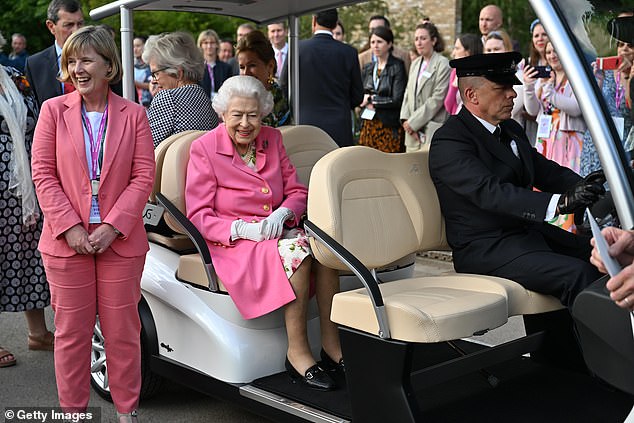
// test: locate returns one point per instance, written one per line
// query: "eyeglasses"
(153, 74)
(620, 44)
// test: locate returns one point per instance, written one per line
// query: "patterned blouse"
(589, 154)
(281, 114)
(180, 109)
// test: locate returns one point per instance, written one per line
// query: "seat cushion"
(427, 309)
(523, 301)
(520, 300)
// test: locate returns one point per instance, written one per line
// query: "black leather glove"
(582, 194)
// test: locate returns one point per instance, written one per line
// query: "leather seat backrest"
(174, 174)
(305, 145)
(380, 206)
(159, 157)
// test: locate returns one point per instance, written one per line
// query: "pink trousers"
(81, 287)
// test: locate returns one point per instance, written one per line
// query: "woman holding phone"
(560, 124)
(613, 77)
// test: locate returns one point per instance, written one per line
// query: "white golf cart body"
(193, 333)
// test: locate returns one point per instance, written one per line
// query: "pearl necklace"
(249, 155)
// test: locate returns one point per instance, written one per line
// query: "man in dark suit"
(330, 83)
(484, 170)
(241, 32)
(63, 18)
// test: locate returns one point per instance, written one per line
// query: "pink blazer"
(220, 189)
(62, 181)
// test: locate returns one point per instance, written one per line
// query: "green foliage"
(148, 23)
(29, 16)
(355, 18)
(518, 16)
(26, 17)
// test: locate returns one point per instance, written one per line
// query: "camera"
(542, 71)
(609, 63)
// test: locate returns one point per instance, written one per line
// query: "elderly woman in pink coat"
(243, 195)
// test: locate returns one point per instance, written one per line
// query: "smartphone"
(609, 63)
(542, 71)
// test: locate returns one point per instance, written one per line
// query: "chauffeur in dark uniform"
(484, 170)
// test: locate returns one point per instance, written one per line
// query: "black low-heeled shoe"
(331, 365)
(315, 377)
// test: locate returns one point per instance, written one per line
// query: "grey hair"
(243, 86)
(2, 41)
(175, 51)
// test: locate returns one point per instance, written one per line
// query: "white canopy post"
(127, 51)
(293, 69)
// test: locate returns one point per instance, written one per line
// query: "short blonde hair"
(243, 86)
(175, 51)
(207, 34)
(100, 40)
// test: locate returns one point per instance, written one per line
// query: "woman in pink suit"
(243, 195)
(93, 169)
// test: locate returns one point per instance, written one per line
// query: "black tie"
(497, 133)
(502, 137)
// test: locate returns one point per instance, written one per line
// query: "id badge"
(543, 126)
(94, 184)
(368, 114)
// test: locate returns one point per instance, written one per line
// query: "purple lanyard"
(620, 91)
(211, 76)
(95, 143)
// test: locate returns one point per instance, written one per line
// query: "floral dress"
(293, 245)
(23, 284)
(561, 146)
(617, 106)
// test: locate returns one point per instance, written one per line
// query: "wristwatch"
(116, 231)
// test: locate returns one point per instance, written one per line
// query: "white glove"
(273, 225)
(244, 230)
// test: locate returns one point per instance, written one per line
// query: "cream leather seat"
(305, 145)
(381, 207)
(172, 185)
(178, 242)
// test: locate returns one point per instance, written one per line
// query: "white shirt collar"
(489, 127)
(323, 31)
(284, 49)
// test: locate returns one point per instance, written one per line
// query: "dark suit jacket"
(329, 87)
(41, 72)
(222, 71)
(235, 66)
(388, 95)
(486, 194)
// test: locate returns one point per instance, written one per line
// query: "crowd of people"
(76, 206)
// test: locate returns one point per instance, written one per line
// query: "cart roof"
(259, 11)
